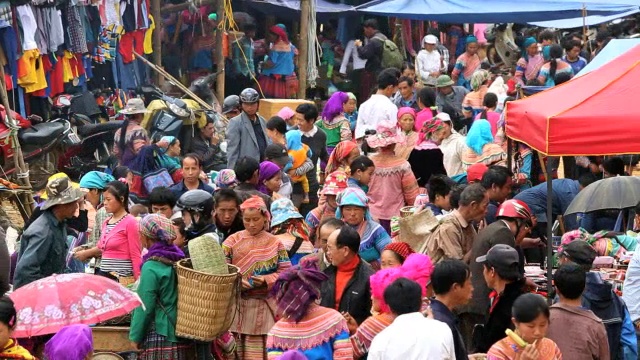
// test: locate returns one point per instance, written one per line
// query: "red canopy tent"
(595, 114)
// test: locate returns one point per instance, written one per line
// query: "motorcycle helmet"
(230, 103)
(515, 209)
(199, 205)
(249, 96)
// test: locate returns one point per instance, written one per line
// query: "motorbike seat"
(90, 129)
(41, 134)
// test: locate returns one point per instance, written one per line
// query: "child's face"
(411, 74)
(365, 176)
(407, 122)
(350, 106)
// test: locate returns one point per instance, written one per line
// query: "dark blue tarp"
(291, 8)
(492, 11)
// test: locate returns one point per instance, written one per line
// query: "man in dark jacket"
(347, 289)
(599, 297)
(372, 52)
(513, 224)
(502, 274)
(43, 246)
(207, 145)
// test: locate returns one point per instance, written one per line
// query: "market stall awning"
(594, 114)
(291, 8)
(492, 11)
(579, 21)
(614, 48)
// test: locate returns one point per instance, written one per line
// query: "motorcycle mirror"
(64, 101)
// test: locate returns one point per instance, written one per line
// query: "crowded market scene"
(319, 179)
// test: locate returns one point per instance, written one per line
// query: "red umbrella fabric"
(594, 114)
(47, 305)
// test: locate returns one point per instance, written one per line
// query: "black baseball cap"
(278, 154)
(580, 252)
(504, 259)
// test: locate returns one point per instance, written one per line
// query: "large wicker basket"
(207, 303)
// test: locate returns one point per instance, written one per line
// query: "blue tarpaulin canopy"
(614, 48)
(492, 11)
(579, 21)
(291, 8)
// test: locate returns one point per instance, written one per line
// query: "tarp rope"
(314, 49)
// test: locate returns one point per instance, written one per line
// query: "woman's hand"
(246, 285)
(530, 353)
(82, 255)
(259, 281)
(352, 324)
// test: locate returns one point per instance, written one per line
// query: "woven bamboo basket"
(207, 303)
(406, 211)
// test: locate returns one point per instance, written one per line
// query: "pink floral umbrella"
(47, 305)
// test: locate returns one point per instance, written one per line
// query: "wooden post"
(220, 60)
(305, 10)
(157, 38)
(21, 168)
(584, 25)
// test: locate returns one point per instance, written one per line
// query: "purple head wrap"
(334, 106)
(73, 342)
(293, 355)
(297, 288)
(267, 171)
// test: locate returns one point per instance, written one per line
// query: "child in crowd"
(299, 154)
(361, 170)
(9, 348)
(287, 114)
(351, 111)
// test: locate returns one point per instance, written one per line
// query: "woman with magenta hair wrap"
(416, 267)
(333, 122)
(318, 332)
(278, 65)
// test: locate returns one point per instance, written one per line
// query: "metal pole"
(220, 60)
(305, 9)
(549, 230)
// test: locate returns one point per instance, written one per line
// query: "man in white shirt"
(429, 62)
(452, 145)
(411, 336)
(379, 107)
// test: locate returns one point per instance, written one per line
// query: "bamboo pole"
(157, 38)
(220, 60)
(305, 9)
(584, 24)
(21, 167)
(174, 81)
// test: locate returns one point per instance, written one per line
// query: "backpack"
(391, 55)
(612, 315)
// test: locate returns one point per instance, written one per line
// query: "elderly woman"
(393, 185)
(395, 254)
(318, 332)
(473, 103)
(529, 65)
(427, 159)
(278, 65)
(335, 183)
(353, 209)
(289, 226)
(153, 325)
(261, 258)
(407, 123)
(333, 122)
(481, 148)
(417, 267)
(467, 64)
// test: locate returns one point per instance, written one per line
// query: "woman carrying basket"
(261, 258)
(153, 328)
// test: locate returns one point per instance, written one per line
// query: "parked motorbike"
(42, 144)
(92, 149)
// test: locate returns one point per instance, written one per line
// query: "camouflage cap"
(60, 191)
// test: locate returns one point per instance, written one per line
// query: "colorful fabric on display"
(31, 71)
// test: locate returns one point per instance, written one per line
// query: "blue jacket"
(564, 191)
(599, 297)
